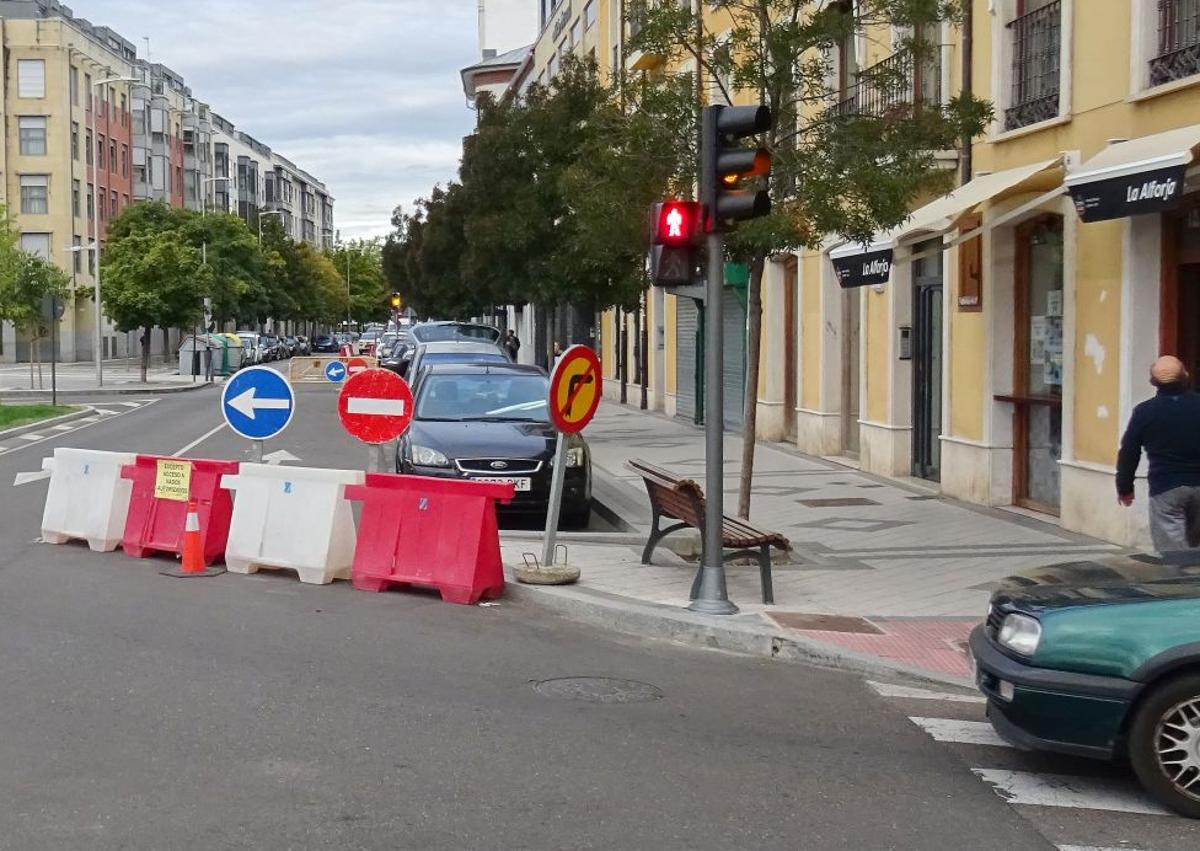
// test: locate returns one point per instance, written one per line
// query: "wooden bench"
(680, 499)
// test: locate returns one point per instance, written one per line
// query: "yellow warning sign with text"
(173, 480)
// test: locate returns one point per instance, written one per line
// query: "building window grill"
(895, 85)
(1178, 41)
(1036, 65)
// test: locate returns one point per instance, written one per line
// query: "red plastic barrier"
(156, 525)
(441, 533)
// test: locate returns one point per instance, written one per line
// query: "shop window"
(970, 269)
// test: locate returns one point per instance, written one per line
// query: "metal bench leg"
(764, 570)
(655, 537)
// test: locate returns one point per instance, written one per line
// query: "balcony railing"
(895, 86)
(1036, 56)
(1178, 41)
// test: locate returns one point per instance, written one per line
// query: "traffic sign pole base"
(178, 573)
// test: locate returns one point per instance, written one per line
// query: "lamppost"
(204, 200)
(96, 163)
(262, 213)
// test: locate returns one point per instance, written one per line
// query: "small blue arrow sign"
(335, 371)
(258, 403)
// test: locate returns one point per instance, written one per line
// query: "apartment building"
(77, 150)
(995, 343)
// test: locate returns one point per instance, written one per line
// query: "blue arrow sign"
(335, 371)
(258, 403)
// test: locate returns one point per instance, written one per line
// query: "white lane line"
(1091, 848)
(32, 438)
(375, 407)
(960, 732)
(1060, 790)
(86, 422)
(130, 404)
(910, 693)
(63, 427)
(199, 439)
(107, 413)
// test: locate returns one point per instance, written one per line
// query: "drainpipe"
(967, 84)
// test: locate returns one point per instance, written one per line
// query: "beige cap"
(1167, 370)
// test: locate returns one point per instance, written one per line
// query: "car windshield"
(449, 333)
(484, 397)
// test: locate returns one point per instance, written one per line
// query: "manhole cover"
(598, 690)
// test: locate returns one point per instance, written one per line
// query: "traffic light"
(675, 229)
(397, 302)
(725, 164)
(676, 223)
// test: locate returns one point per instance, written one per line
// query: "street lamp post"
(96, 162)
(204, 200)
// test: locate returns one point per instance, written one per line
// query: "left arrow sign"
(246, 404)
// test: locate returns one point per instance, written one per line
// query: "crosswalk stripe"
(1091, 848)
(106, 413)
(30, 437)
(1059, 790)
(62, 427)
(910, 693)
(130, 404)
(960, 732)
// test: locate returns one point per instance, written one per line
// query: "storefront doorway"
(851, 300)
(927, 362)
(1180, 312)
(1038, 368)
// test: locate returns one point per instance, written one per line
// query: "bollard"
(157, 516)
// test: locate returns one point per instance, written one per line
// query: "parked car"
(272, 347)
(366, 343)
(427, 354)
(383, 348)
(490, 422)
(324, 344)
(304, 345)
(1101, 659)
(400, 354)
(293, 346)
(253, 352)
(442, 332)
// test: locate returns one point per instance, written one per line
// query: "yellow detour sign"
(173, 480)
(575, 387)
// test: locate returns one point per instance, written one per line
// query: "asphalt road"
(139, 711)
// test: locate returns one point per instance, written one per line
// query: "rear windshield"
(463, 357)
(449, 333)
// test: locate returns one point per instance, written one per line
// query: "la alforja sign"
(861, 270)
(1129, 195)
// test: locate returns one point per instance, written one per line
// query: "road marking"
(130, 404)
(200, 439)
(79, 425)
(910, 693)
(63, 427)
(1091, 848)
(107, 413)
(32, 438)
(1060, 790)
(375, 407)
(960, 732)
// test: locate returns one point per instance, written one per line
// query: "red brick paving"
(932, 644)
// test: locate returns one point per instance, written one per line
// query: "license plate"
(520, 483)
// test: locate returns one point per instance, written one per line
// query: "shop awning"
(1139, 176)
(858, 265)
(941, 215)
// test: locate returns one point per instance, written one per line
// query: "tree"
(231, 252)
(153, 278)
(852, 169)
(25, 283)
(362, 261)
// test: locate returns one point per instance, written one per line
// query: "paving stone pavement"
(863, 546)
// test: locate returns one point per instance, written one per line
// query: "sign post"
(376, 407)
(258, 403)
(575, 388)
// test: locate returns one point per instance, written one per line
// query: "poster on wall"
(1037, 339)
(1054, 303)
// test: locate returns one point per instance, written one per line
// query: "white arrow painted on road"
(246, 404)
(375, 407)
(280, 457)
(26, 478)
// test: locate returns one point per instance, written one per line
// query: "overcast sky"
(363, 94)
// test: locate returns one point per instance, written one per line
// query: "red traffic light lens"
(676, 223)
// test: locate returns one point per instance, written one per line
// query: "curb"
(730, 634)
(132, 390)
(17, 431)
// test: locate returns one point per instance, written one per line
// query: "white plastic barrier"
(87, 498)
(292, 517)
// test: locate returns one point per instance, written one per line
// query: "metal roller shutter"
(686, 325)
(734, 372)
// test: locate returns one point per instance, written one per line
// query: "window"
(78, 258)
(91, 199)
(88, 147)
(139, 174)
(124, 200)
(589, 14)
(179, 178)
(87, 91)
(577, 32)
(75, 140)
(1178, 49)
(37, 244)
(112, 156)
(74, 77)
(101, 205)
(31, 78)
(124, 160)
(35, 194)
(114, 208)
(32, 133)
(124, 111)
(99, 151)
(75, 198)
(1036, 35)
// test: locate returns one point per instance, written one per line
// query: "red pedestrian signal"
(676, 222)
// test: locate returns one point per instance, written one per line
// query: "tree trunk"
(37, 348)
(145, 353)
(753, 348)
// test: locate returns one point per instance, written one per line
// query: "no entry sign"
(575, 388)
(375, 406)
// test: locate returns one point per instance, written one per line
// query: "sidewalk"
(79, 379)
(879, 570)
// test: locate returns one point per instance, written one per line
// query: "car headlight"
(1020, 634)
(575, 456)
(423, 456)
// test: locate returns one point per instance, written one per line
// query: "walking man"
(1168, 428)
(512, 345)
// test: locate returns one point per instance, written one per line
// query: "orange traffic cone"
(193, 548)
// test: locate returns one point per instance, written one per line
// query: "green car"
(1101, 659)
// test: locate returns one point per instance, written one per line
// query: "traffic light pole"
(712, 598)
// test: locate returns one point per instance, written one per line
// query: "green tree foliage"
(362, 261)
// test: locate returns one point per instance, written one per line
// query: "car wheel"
(1164, 744)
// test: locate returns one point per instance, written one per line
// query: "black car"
(324, 344)
(490, 422)
(447, 332)
(427, 354)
